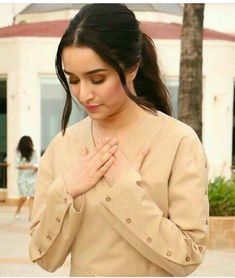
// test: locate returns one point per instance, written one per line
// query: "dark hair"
(25, 147)
(113, 32)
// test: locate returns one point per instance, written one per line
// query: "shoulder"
(181, 139)
(172, 134)
(62, 142)
(168, 129)
(73, 132)
(175, 128)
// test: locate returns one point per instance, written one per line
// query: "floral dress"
(27, 177)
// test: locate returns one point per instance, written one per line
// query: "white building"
(32, 98)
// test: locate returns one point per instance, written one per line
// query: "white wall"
(8, 11)
(220, 16)
(23, 60)
(218, 82)
(219, 63)
(217, 16)
(158, 17)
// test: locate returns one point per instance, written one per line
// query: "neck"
(124, 118)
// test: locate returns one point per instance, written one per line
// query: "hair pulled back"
(113, 32)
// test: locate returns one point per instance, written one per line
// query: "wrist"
(69, 188)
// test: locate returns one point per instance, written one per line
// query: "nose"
(84, 93)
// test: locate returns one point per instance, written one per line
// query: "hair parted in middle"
(113, 32)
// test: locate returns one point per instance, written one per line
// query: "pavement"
(14, 261)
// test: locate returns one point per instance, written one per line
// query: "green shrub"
(221, 193)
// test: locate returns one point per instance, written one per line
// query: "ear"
(131, 72)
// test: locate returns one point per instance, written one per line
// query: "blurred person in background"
(27, 165)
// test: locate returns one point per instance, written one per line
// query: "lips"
(92, 107)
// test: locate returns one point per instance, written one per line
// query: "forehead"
(82, 59)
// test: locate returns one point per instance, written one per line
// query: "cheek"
(74, 92)
(114, 91)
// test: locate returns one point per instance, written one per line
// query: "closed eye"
(73, 81)
(97, 78)
(100, 81)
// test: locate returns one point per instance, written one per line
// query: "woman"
(26, 163)
(123, 190)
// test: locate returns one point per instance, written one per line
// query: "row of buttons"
(48, 236)
(169, 253)
(39, 249)
(149, 239)
(128, 220)
(57, 220)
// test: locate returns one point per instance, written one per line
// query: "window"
(52, 104)
(3, 132)
(173, 87)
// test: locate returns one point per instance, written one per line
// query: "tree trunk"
(190, 87)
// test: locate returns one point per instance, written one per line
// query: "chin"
(100, 116)
(97, 116)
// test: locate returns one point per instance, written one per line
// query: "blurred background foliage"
(221, 193)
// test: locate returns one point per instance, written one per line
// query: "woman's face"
(94, 83)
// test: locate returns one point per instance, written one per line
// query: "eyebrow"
(88, 72)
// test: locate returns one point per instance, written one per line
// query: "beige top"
(152, 223)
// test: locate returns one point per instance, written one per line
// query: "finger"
(119, 155)
(99, 146)
(103, 157)
(103, 169)
(107, 147)
(101, 154)
(141, 156)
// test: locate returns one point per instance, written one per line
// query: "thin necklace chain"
(92, 134)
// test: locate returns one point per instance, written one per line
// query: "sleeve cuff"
(58, 190)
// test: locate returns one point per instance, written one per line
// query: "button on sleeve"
(108, 199)
(128, 220)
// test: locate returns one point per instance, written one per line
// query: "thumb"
(141, 156)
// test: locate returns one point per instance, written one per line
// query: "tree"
(190, 87)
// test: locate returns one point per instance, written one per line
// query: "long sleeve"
(56, 217)
(176, 243)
